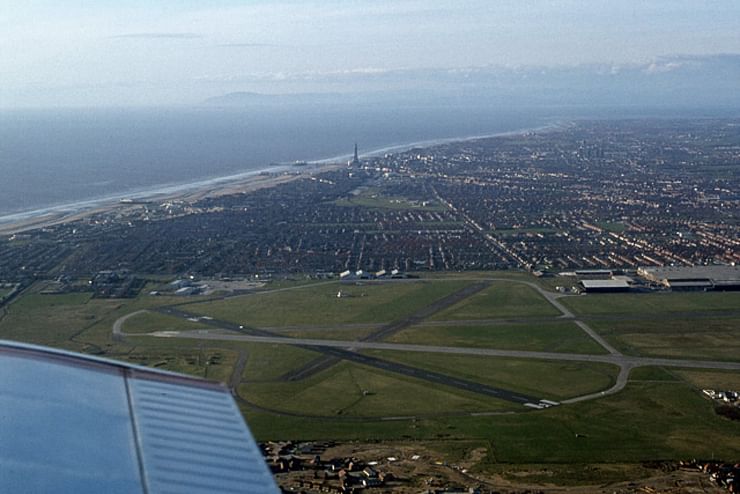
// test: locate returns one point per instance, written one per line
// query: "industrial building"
(718, 277)
(605, 286)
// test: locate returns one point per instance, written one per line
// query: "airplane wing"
(75, 423)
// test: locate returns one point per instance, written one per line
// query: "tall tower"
(355, 158)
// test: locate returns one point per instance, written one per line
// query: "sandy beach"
(219, 186)
(248, 182)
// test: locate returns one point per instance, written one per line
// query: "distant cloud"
(500, 76)
(158, 36)
(313, 76)
(659, 68)
(248, 45)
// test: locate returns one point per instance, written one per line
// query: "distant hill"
(685, 81)
(243, 98)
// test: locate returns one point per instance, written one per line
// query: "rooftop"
(602, 284)
(719, 273)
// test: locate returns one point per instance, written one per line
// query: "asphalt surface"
(619, 360)
(336, 351)
(441, 323)
(326, 361)
(430, 376)
(118, 325)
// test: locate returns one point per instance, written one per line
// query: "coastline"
(230, 184)
(399, 148)
(164, 192)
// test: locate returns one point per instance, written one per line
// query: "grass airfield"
(658, 415)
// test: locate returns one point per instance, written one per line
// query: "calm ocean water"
(50, 158)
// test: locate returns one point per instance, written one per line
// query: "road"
(622, 378)
(443, 323)
(118, 333)
(236, 374)
(618, 360)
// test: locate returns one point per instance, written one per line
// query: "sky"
(143, 52)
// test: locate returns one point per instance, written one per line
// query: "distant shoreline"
(161, 191)
(398, 148)
(234, 183)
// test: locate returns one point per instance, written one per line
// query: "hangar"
(717, 277)
(605, 286)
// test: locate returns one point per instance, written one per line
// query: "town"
(597, 195)
(413, 322)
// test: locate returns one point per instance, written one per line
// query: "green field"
(350, 333)
(501, 300)
(270, 362)
(710, 379)
(653, 303)
(611, 226)
(660, 415)
(706, 338)
(73, 321)
(377, 201)
(148, 322)
(210, 363)
(545, 337)
(653, 374)
(53, 319)
(357, 391)
(319, 304)
(543, 379)
(646, 422)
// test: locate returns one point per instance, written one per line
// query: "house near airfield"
(718, 277)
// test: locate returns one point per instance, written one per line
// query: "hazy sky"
(166, 51)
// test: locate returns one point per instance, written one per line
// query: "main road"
(619, 360)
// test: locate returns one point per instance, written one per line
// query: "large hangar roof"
(605, 284)
(717, 274)
(74, 423)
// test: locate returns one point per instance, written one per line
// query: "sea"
(72, 158)
(65, 160)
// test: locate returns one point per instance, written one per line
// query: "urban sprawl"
(584, 196)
